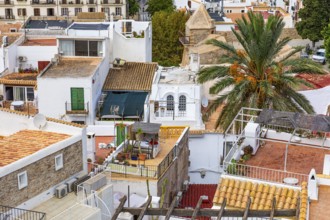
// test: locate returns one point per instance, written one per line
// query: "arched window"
(182, 103)
(170, 103)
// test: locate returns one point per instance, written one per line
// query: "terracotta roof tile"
(237, 193)
(27, 79)
(133, 76)
(25, 143)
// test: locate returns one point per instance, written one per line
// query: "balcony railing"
(6, 3)
(9, 213)
(7, 17)
(76, 108)
(111, 2)
(71, 2)
(262, 173)
(43, 2)
(91, 2)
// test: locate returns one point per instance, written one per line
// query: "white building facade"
(20, 10)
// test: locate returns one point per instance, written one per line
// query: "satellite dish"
(39, 121)
(205, 102)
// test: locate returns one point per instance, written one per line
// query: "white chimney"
(91, 146)
(313, 190)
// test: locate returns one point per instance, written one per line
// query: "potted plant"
(142, 156)
(139, 134)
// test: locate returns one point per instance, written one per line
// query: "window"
(105, 10)
(91, 9)
(36, 12)
(67, 47)
(22, 180)
(59, 162)
(242, 11)
(76, 11)
(170, 103)
(81, 48)
(182, 103)
(65, 11)
(77, 99)
(20, 93)
(118, 11)
(50, 12)
(21, 12)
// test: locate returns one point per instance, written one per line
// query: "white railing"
(262, 173)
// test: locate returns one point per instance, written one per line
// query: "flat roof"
(96, 27)
(132, 76)
(26, 142)
(27, 79)
(177, 75)
(46, 24)
(40, 42)
(73, 68)
(12, 37)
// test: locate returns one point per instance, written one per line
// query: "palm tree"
(257, 76)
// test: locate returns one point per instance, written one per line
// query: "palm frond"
(211, 73)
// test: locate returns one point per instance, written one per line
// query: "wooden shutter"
(77, 99)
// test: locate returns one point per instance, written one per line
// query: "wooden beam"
(222, 209)
(298, 208)
(272, 211)
(246, 211)
(197, 208)
(144, 209)
(212, 212)
(170, 210)
(120, 207)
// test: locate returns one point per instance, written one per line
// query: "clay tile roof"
(25, 143)
(91, 15)
(27, 79)
(200, 19)
(237, 193)
(133, 76)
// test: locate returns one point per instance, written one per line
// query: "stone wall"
(176, 173)
(41, 176)
(197, 36)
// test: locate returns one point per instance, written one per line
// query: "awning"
(123, 104)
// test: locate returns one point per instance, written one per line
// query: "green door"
(77, 99)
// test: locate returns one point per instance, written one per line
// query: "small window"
(13, 30)
(182, 103)
(59, 162)
(242, 11)
(118, 11)
(65, 11)
(170, 103)
(36, 12)
(22, 180)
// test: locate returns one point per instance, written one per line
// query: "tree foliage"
(166, 48)
(133, 7)
(315, 16)
(257, 76)
(159, 5)
(326, 35)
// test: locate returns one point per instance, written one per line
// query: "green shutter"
(120, 135)
(77, 99)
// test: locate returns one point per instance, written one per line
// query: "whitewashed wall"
(35, 54)
(206, 152)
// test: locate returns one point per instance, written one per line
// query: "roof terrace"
(148, 157)
(277, 146)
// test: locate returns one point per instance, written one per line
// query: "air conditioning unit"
(22, 58)
(70, 184)
(61, 191)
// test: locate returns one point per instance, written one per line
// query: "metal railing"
(262, 173)
(108, 2)
(135, 170)
(8, 17)
(6, 2)
(77, 108)
(71, 2)
(91, 2)
(43, 2)
(10, 213)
